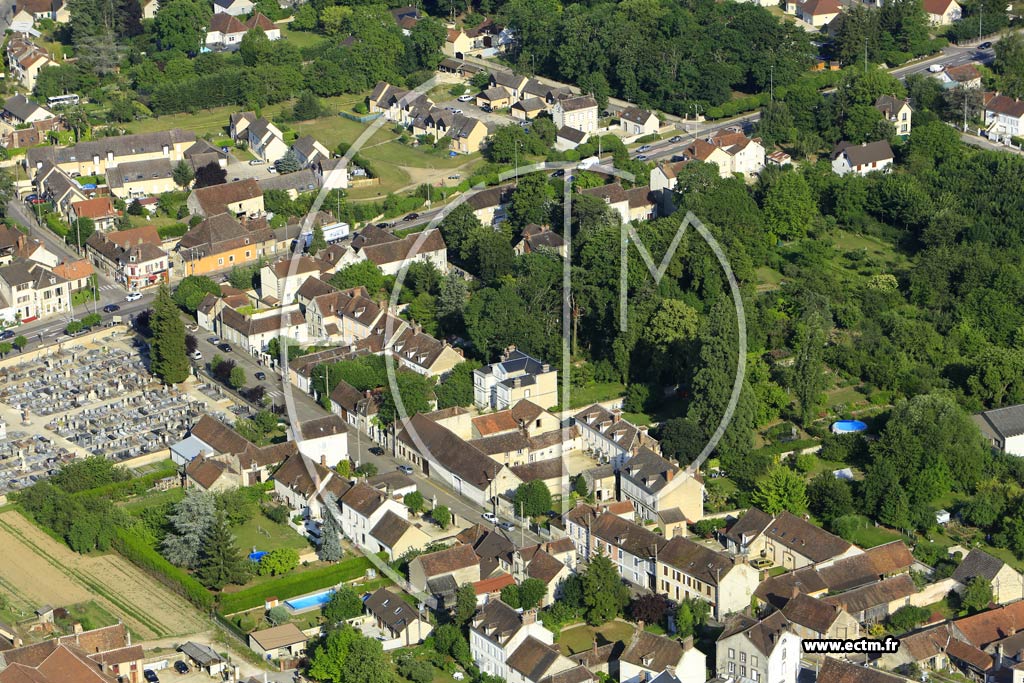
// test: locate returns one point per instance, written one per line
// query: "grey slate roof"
(977, 563)
(1006, 422)
(864, 153)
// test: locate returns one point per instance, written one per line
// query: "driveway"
(470, 109)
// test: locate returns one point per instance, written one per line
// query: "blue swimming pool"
(848, 427)
(257, 555)
(308, 601)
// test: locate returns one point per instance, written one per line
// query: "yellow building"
(240, 198)
(222, 242)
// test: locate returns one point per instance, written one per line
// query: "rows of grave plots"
(25, 458)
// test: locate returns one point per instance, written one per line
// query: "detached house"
(459, 562)
(730, 150)
(401, 622)
(362, 507)
(897, 112)
(25, 59)
(942, 12)
(260, 21)
(961, 76)
(817, 13)
(537, 238)
(99, 210)
(576, 112)
(1004, 117)
(514, 378)
(265, 140)
(766, 650)
(640, 122)
(225, 32)
(861, 159)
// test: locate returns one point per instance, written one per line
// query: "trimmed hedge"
(173, 230)
(794, 446)
(143, 556)
(291, 585)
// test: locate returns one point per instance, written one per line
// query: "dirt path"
(41, 570)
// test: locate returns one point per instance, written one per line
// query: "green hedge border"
(291, 585)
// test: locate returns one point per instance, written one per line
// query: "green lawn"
(868, 535)
(301, 39)
(417, 158)
(768, 278)
(595, 393)
(666, 411)
(580, 638)
(90, 615)
(844, 395)
(263, 534)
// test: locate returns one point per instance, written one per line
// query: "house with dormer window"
(608, 436)
(517, 376)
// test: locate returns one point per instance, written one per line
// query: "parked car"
(936, 68)
(384, 226)
(150, 676)
(486, 108)
(255, 162)
(641, 157)
(272, 169)
(8, 334)
(455, 176)
(466, 98)
(111, 308)
(192, 327)
(133, 296)
(37, 200)
(490, 517)
(213, 340)
(405, 469)
(181, 667)
(677, 157)
(197, 355)
(411, 217)
(643, 148)
(508, 526)
(225, 347)
(559, 173)
(260, 376)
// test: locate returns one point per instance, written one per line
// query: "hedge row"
(145, 557)
(291, 585)
(167, 232)
(119, 490)
(790, 446)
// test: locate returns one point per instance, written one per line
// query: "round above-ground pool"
(848, 427)
(257, 555)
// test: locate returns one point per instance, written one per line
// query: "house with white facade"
(497, 631)
(362, 507)
(766, 651)
(864, 158)
(633, 549)
(324, 439)
(517, 376)
(648, 655)
(1004, 117)
(942, 12)
(1003, 428)
(402, 624)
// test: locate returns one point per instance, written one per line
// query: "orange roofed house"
(134, 258)
(102, 655)
(99, 210)
(77, 273)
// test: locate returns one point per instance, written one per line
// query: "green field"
(595, 393)
(301, 39)
(579, 638)
(263, 534)
(154, 498)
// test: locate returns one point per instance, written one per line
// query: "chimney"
(77, 628)
(616, 415)
(529, 616)
(688, 642)
(795, 592)
(669, 474)
(323, 459)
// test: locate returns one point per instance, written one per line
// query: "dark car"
(411, 217)
(8, 334)
(111, 308)
(986, 45)
(181, 667)
(676, 138)
(261, 376)
(150, 676)
(677, 157)
(486, 108)
(225, 347)
(560, 173)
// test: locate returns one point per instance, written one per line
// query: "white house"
(497, 631)
(633, 549)
(517, 376)
(862, 159)
(233, 7)
(765, 650)
(324, 439)
(362, 506)
(1004, 428)
(647, 655)
(400, 623)
(1004, 117)
(690, 570)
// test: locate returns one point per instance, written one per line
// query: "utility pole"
(865, 55)
(981, 10)
(964, 95)
(771, 83)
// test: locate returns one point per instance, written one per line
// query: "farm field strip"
(49, 572)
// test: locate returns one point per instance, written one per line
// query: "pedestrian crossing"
(109, 288)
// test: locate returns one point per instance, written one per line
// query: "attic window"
(398, 610)
(385, 603)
